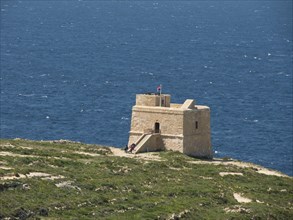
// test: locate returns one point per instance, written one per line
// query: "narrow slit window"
(196, 125)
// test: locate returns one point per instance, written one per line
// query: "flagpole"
(160, 95)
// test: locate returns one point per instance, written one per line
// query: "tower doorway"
(157, 127)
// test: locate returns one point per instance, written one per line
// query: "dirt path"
(145, 156)
(257, 168)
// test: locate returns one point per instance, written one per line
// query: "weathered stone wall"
(146, 100)
(201, 116)
(153, 100)
(167, 100)
(173, 143)
(133, 137)
(167, 142)
(154, 143)
(175, 105)
(197, 141)
(143, 118)
(197, 146)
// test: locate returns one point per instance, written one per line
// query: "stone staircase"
(141, 145)
(147, 142)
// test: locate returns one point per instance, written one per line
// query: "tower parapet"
(153, 99)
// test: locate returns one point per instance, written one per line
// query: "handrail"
(140, 138)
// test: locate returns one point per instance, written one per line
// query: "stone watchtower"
(157, 124)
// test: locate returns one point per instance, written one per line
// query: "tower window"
(196, 125)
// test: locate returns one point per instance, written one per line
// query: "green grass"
(110, 187)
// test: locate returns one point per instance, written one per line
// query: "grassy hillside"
(64, 180)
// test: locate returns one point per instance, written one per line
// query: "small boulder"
(43, 212)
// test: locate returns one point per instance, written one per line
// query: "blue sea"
(71, 69)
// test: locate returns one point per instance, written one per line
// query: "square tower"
(157, 124)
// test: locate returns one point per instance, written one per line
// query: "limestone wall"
(153, 100)
(197, 140)
(199, 118)
(173, 143)
(167, 100)
(198, 146)
(133, 138)
(153, 143)
(143, 118)
(147, 100)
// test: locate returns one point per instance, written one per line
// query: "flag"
(159, 88)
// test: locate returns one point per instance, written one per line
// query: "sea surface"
(71, 69)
